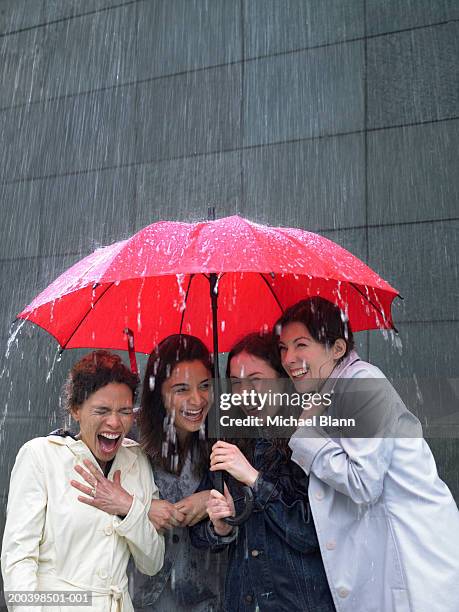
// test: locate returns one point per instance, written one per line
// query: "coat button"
(255, 552)
(319, 495)
(249, 598)
(108, 530)
(342, 592)
(175, 538)
(331, 545)
(102, 574)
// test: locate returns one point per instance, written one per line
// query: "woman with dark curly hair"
(58, 540)
(274, 558)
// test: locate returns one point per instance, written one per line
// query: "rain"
(338, 117)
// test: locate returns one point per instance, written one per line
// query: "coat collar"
(124, 458)
(340, 371)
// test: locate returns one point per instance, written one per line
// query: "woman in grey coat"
(388, 527)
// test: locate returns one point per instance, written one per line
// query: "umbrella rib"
(186, 298)
(272, 292)
(85, 315)
(378, 310)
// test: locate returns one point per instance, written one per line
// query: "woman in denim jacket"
(274, 558)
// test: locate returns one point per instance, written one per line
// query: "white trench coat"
(388, 527)
(53, 542)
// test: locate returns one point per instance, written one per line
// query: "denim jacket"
(274, 558)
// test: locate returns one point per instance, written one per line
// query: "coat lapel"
(124, 458)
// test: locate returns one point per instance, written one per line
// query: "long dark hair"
(263, 346)
(324, 320)
(153, 414)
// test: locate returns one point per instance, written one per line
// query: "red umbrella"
(157, 283)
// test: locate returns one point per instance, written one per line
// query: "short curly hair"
(92, 372)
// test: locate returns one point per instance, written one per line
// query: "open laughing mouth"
(299, 373)
(192, 415)
(108, 441)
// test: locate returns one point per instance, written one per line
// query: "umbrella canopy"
(157, 283)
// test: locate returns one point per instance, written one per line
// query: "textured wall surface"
(338, 116)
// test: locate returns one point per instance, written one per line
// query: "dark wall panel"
(412, 173)
(304, 94)
(271, 26)
(412, 76)
(178, 35)
(315, 184)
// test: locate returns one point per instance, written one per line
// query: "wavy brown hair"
(153, 415)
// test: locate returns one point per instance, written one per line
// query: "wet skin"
(105, 418)
(306, 361)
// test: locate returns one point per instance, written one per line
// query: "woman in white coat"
(388, 527)
(52, 541)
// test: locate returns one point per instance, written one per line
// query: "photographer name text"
(322, 420)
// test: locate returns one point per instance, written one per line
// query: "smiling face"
(105, 418)
(249, 372)
(304, 359)
(186, 395)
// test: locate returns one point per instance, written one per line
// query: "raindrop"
(182, 292)
(13, 336)
(57, 357)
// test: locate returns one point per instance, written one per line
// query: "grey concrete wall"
(339, 116)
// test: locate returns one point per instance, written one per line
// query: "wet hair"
(153, 416)
(263, 346)
(92, 372)
(324, 320)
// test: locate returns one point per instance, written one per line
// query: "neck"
(183, 437)
(101, 463)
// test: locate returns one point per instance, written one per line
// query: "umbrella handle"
(217, 478)
(234, 521)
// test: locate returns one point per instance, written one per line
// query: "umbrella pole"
(213, 279)
(217, 476)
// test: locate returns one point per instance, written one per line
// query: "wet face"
(304, 359)
(105, 418)
(186, 395)
(250, 372)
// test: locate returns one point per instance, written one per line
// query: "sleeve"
(355, 467)
(145, 543)
(25, 520)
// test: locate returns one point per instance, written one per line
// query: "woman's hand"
(228, 457)
(164, 515)
(102, 493)
(219, 507)
(194, 507)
